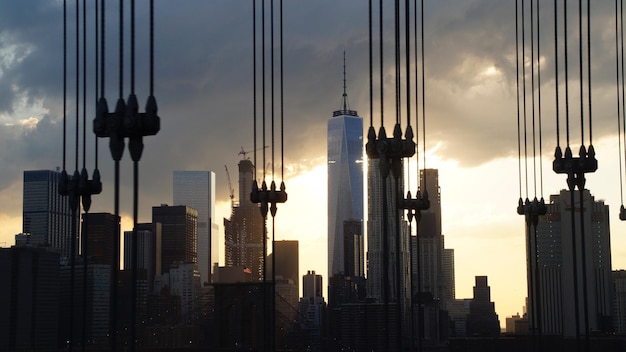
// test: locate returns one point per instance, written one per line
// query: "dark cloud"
(204, 81)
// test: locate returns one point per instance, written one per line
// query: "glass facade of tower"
(197, 190)
(345, 187)
(46, 215)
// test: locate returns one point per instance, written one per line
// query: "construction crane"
(230, 189)
(244, 152)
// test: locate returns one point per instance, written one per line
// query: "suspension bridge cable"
(524, 97)
(64, 81)
(556, 76)
(532, 91)
(539, 100)
(371, 65)
(423, 98)
(517, 59)
(580, 72)
(282, 105)
(566, 74)
(589, 71)
(382, 70)
(619, 130)
(254, 87)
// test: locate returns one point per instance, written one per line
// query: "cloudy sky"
(204, 89)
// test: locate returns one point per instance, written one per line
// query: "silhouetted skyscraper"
(556, 299)
(345, 181)
(197, 190)
(482, 319)
(46, 214)
(149, 239)
(245, 230)
(287, 262)
(311, 285)
(29, 296)
(99, 229)
(179, 231)
(375, 239)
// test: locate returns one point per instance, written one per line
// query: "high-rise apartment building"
(179, 234)
(196, 189)
(552, 299)
(46, 215)
(345, 196)
(482, 319)
(245, 230)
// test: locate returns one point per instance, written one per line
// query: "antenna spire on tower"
(344, 100)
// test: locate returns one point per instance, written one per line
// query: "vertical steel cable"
(254, 87)
(84, 235)
(64, 81)
(580, 72)
(589, 71)
(517, 59)
(566, 72)
(397, 59)
(524, 96)
(539, 100)
(423, 99)
(532, 92)
(382, 69)
(556, 75)
(371, 66)
(282, 106)
(619, 130)
(623, 116)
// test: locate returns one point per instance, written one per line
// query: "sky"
(203, 85)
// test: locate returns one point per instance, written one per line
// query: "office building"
(287, 262)
(98, 233)
(196, 189)
(46, 215)
(97, 303)
(377, 258)
(345, 185)
(482, 319)
(619, 301)
(179, 234)
(245, 230)
(29, 297)
(311, 285)
(149, 237)
(552, 300)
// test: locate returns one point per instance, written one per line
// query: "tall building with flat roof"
(197, 190)
(179, 234)
(552, 300)
(149, 239)
(383, 286)
(46, 215)
(245, 230)
(98, 232)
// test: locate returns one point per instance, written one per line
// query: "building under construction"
(245, 230)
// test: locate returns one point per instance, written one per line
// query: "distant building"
(245, 230)
(312, 285)
(184, 282)
(97, 303)
(287, 263)
(619, 301)
(196, 189)
(149, 239)
(482, 319)
(98, 233)
(46, 215)
(511, 323)
(179, 234)
(553, 301)
(458, 310)
(29, 297)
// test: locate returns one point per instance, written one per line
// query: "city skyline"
(478, 170)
